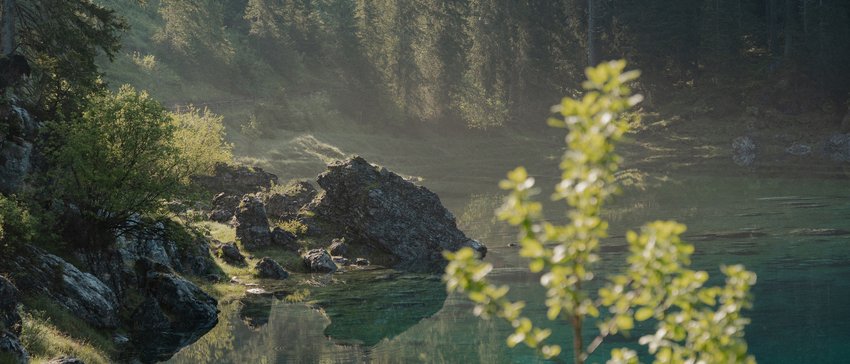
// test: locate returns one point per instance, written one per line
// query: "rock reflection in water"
(380, 305)
(341, 324)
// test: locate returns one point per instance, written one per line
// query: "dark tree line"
(495, 62)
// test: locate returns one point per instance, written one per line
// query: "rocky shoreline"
(361, 217)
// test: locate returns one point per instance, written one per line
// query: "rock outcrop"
(174, 314)
(10, 320)
(286, 205)
(270, 269)
(236, 180)
(11, 350)
(319, 261)
(83, 294)
(374, 207)
(252, 224)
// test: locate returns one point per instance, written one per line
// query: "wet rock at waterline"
(319, 261)
(11, 350)
(229, 252)
(236, 180)
(175, 314)
(252, 224)
(286, 205)
(379, 209)
(362, 262)
(82, 294)
(743, 151)
(270, 269)
(10, 320)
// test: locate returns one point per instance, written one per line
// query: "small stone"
(318, 260)
(338, 247)
(229, 252)
(341, 261)
(361, 262)
(270, 269)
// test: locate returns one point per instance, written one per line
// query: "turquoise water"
(794, 232)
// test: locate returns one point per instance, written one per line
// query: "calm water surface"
(793, 232)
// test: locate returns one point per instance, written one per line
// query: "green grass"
(50, 331)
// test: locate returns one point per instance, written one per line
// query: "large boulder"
(270, 269)
(288, 203)
(338, 248)
(174, 314)
(236, 180)
(185, 306)
(11, 350)
(9, 318)
(83, 294)
(252, 225)
(374, 207)
(319, 261)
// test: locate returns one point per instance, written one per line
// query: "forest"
(453, 181)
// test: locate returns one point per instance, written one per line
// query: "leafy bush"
(116, 160)
(17, 225)
(199, 137)
(694, 323)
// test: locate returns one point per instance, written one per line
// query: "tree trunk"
(591, 30)
(8, 27)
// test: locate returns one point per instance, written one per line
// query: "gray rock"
(288, 204)
(10, 320)
(229, 252)
(252, 225)
(284, 239)
(236, 180)
(224, 207)
(374, 207)
(270, 269)
(361, 262)
(83, 294)
(186, 307)
(743, 151)
(338, 247)
(318, 260)
(11, 350)
(341, 261)
(65, 360)
(179, 313)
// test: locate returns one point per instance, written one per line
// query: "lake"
(788, 221)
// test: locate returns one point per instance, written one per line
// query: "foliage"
(17, 226)
(117, 159)
(199, 138)
(694, 323)
(295, 227)
(62, 39)
(45, 325)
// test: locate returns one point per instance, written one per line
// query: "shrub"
(199, 137)
(694, 323)
(17, 225)
(115, 160)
